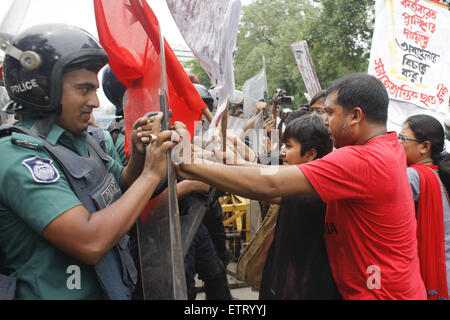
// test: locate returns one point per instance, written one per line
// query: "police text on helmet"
(25, 86)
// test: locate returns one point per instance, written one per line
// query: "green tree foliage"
(197, 69)
(338, 33)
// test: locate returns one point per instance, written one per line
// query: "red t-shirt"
(370, 228)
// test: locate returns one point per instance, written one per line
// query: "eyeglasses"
(403, 139)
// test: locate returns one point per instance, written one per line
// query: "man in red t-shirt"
(370, 224)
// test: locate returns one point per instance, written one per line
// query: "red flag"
(129, 34)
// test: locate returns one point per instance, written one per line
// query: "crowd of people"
(363, 213)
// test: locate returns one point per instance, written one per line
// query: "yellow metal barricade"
(236, 222)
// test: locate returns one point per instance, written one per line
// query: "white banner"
(253, 90)
(209, 27)
(410, 56)
(307, 70)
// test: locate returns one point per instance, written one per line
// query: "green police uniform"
(120, 147)
(111, 149)
(34, 192)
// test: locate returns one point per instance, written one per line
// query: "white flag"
(253, 90)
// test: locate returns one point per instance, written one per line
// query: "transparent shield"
(158, 229)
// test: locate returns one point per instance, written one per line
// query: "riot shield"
(160, 250)
(159, 235)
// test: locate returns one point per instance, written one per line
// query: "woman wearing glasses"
(422, 136)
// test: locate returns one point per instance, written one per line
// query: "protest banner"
(209, 28)
(409, 55)
(306, 67)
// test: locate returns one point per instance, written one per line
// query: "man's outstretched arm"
(258, 183)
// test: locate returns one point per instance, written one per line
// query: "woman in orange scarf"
(422, 136)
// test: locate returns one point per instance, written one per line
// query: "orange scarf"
(430, 233)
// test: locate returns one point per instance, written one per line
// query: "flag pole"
(224, 127)
(209, 116)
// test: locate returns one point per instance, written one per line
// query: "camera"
(282, 97)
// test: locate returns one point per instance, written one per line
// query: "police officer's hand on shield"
(156, 155)
(143, 129)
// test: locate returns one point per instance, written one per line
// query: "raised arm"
(88, 237)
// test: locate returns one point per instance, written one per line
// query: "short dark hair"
(297, 114)
(310, 131)
(364, 91)
(321, 95)
(428, 128)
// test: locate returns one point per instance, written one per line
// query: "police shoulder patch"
(42, 169)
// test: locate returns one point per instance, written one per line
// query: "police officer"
(63, 218)
(115, 90)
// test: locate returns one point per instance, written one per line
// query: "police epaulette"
(20, 138)
(25, 143)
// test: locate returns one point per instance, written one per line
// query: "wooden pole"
(209, 116)
(224, 127)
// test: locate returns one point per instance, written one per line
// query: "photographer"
(280, 99)
(274, 117)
